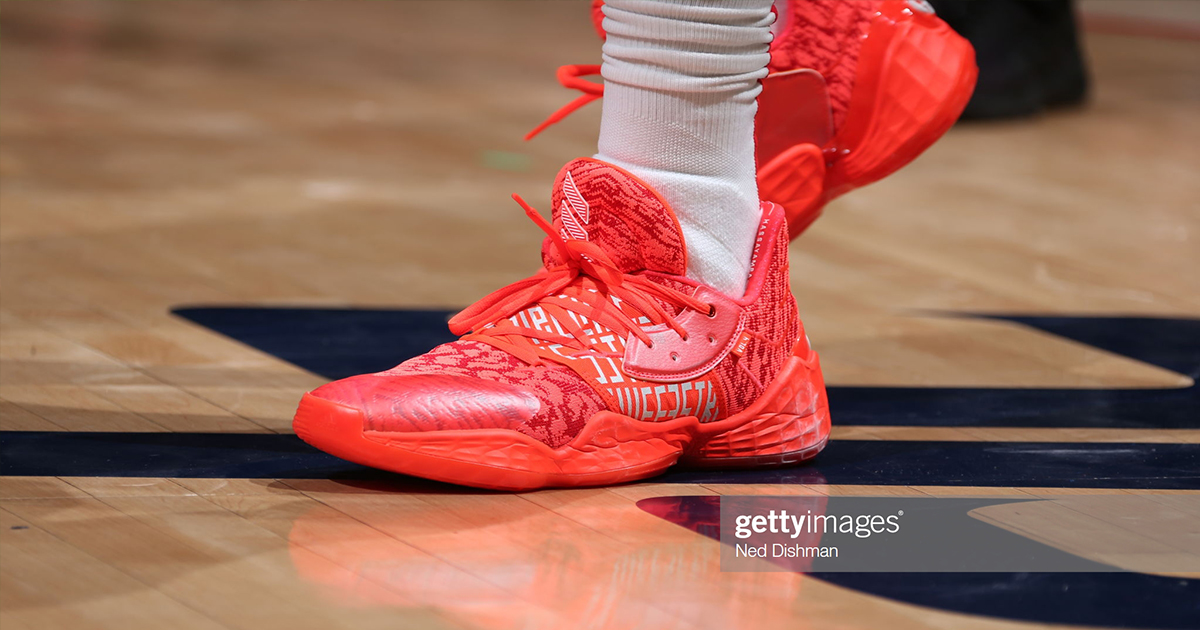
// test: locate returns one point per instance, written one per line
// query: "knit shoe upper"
(609, 323)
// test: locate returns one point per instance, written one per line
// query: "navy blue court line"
(1173, 344)
(1114, 600)
(888, 463)
(337, 343)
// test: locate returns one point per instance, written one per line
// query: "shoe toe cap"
(432, 402)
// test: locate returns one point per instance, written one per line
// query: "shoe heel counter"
(789, 421)
(781, 301)
(771, 321)
(788, 425)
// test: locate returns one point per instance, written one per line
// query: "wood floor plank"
(13, 417)
(182, 547)
(48, 583)
(38, 488)
(1016, 434)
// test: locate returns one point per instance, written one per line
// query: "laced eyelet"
(712, 311)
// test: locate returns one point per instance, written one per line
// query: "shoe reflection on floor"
(580, 558)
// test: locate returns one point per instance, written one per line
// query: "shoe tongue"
(598, 202)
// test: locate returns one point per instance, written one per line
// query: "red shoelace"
(571, 77)
(587, 284)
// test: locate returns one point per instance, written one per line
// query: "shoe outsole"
(914, 78)
(787, 425)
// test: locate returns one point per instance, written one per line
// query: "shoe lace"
(571, 77)
(588, 283)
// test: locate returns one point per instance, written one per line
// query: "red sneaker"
(857, 90)
(608, 365)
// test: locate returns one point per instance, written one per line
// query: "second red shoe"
(857, 90)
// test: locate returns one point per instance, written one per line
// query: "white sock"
(681, 78)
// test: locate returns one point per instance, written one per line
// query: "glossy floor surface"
(208, 208)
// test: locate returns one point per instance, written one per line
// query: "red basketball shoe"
(608, 365)
(857, 89)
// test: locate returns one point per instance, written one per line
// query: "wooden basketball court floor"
(209, 208)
